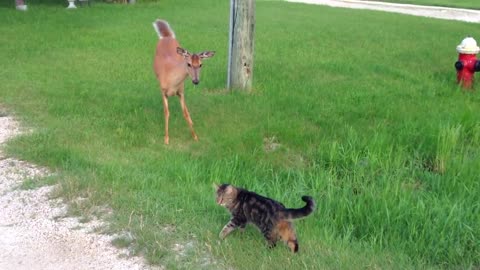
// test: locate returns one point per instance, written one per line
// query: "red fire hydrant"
(467, 63)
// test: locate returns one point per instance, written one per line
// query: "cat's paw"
(271, 245)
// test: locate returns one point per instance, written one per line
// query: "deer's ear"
(183, 52)
(206, 54)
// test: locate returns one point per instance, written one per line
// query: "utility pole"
(240, 50)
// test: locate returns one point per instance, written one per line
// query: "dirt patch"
(35, 232)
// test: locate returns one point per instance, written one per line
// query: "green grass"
(469, 4)
(368, 119)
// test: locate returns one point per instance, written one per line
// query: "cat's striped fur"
(270, 216)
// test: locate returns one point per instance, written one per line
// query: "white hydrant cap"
(468, 46)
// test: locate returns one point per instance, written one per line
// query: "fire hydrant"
(467, 63)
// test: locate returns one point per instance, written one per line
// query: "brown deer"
(172, 64)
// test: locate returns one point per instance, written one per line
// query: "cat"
(270, 216)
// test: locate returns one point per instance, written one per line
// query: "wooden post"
(240, 54)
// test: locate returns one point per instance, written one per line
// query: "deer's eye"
(200, 65)
(189, 65)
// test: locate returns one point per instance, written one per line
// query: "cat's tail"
(291, 213)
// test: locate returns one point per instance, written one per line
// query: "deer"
(172, 65)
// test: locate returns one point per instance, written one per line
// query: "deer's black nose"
(195, 82)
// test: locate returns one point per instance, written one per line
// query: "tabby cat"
(270, 216)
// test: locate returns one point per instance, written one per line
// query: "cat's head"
(226, 194)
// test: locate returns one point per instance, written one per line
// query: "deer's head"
(194, 62)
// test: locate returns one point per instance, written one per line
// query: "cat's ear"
(215, 186)
(229, 189)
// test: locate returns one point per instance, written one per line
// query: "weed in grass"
(34, 183)
(123, 241)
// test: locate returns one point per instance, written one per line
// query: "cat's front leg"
(242, 227)
(227, 229)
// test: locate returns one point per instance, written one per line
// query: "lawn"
(362, 106)
(469, 4)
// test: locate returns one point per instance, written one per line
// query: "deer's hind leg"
(167, 114)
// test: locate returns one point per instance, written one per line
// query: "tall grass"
(357, 108)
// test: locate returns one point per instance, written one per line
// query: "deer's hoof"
(166, 140)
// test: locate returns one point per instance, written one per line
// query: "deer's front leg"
(186, 115)
(167, 114)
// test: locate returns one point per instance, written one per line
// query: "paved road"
(458, 14)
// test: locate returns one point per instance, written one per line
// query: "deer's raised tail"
(163, 29)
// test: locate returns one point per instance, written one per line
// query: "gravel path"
(458, 14)
(35, 233)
